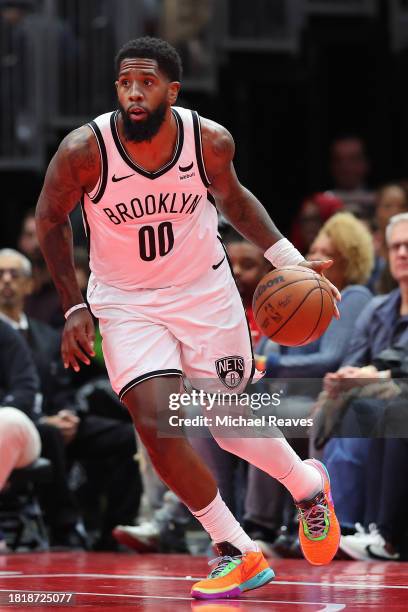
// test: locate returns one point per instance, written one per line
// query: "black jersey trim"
(211, 199)
(88, 235)
(246, 318)
(129, 161)
(104, 162)
(199, 148)
(154, 374)
(86, 225)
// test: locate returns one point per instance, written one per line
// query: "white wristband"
(283, 253)
(74, 308)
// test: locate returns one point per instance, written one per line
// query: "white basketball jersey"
(151, 229)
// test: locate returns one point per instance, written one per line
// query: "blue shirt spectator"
(379, 326)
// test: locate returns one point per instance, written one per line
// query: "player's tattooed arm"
(74, 169)
(242, 209)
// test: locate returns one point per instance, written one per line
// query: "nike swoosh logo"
(186, 168)
(215, 266)
(116, 179)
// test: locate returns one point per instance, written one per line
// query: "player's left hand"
(320, 267)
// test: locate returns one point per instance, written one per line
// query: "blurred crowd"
(104, 494)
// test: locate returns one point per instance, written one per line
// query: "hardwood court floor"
(162, 583)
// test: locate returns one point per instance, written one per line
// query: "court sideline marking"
(185, 579)
(327, 607)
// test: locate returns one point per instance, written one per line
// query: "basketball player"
(148, 176)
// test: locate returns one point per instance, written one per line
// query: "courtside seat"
(21, 516)
(38, 472)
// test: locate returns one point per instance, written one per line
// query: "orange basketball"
(293, 305)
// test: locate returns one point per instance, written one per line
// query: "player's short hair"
(25, 262)
(354, 242)
(166, 56)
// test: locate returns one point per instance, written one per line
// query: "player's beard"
(139, 131)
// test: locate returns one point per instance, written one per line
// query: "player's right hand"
(320, 267)
(78, 339)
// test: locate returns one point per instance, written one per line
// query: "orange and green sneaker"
(234, 573)
(319, 529)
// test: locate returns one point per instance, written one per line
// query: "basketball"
(293, 305)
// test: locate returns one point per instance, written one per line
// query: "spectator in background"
(314, 211)
(43, 302)
(19, 440)
(106, 447)
(61, 509)
(183, 24)
(27, 241)
(383, 324)
(391, 200)
(346, 241)
(349, 168)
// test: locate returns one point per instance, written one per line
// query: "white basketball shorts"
(198, 330)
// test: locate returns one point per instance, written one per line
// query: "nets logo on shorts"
(230, 370)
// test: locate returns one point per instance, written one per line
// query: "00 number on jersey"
(149, 246)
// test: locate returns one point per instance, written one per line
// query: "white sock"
(221, 525)
(278, 459)
(303, 480)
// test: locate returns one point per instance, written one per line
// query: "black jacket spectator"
(18, 376)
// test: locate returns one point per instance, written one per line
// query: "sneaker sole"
(260, 579)
(374, 557)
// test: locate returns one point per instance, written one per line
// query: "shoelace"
(222, 564)
(315, 518)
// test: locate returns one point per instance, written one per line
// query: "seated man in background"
(19, 440)
(104, 446)
(382, 324)
(390, 200)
